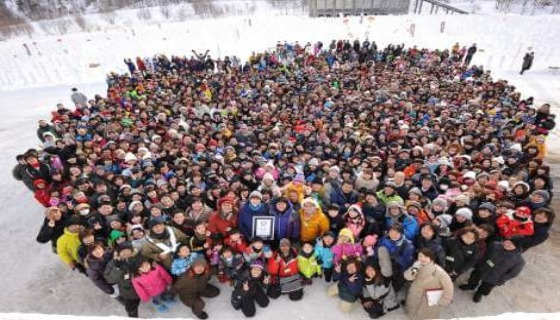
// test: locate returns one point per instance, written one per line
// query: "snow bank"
(36, 316)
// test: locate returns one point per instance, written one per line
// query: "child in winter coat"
(345, 247)
(354, 220)
(150, 282)
(230, 266)
(307, 263)
(336, 222)
(257, 251)
(378, 296)
(200, 241)
(251, 288)
(183, 259)
(325, 256)
(368, 245)
(235, 241)
(349, 286)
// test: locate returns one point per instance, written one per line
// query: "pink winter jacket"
(151, 284)
(346, 250)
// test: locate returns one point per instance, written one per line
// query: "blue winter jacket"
(402, 251)
(180, 265)
(324, 254)
(286, 224)
(342, 199)
(347, 290)
(245, 218)
(410, 225)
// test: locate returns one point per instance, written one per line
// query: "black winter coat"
(47, 233)
(459, 256)
(121, 271)
(95, 268)
(500, 265)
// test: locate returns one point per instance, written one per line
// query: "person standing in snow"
(131, 66)
(426, 276)
(527, 62)
(503, 262)
(470, 53)
(78, 98)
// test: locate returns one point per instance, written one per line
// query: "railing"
(436, 6)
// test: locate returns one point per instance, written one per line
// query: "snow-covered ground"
(34, 281)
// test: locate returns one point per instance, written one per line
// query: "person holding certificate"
(431, 287)
(254, 220)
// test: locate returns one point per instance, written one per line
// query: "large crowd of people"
(387, 172)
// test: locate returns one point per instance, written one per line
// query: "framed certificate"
(263, 227)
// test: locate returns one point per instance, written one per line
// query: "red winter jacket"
(277, 266)
(217, 224)
(43, 197)
(509, 226)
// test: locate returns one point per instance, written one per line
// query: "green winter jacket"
(386, 199)
(308, 266)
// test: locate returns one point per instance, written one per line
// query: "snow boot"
(477, 297)
(202, 315)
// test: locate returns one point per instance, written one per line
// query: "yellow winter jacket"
(67, 247)
(313, 227)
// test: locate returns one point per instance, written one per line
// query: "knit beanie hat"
(345, 232)
(465, 213)
(255, 194)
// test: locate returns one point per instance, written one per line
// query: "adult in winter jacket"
(283, 267)
(344, 196)
(194, 286)
(96, 263)
(461, 252)
(162, 243)
(389, 194)
(53, 226)
(224, 219)
(503, 262)
(428, 238)
(255, 207)
(120, 271)
(78, 98)
(516, 222)
(350, 284)
(542, 219)
(396, 214)
(378, 296)
(19, 173)
(470, 53)
(426, 275)
(395, 254)
(36, 169)
(286, 219)
(251, 289)
(68, 243)
(527, 62)
(313, 222)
